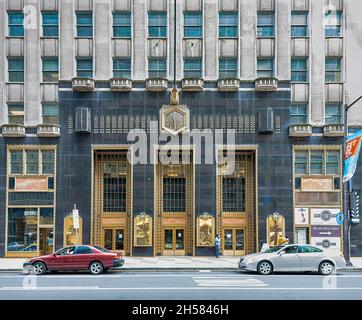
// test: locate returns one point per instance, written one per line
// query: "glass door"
(239, 242)
(228, 242)
(234, 242)
(46, 241)
(174, 242)
(113, 239)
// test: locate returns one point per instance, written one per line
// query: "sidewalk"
(169, 263)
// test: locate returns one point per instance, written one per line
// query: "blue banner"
(352, 148)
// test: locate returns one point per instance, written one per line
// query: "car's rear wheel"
(96, 267)
(326, 268)
(39, 268)
(265, 268)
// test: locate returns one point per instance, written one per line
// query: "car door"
(83, 255)
(64, 259)
(310, 258)
(288, 259)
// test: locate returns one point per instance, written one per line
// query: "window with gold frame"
(205, 230)
(70, 236)
(142, 230)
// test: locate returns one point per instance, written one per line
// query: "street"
(181, 286)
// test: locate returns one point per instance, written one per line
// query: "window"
(233, 194)
(32, 161)
(157, 24)
(16, 69)
(333, 23)
(122, 68)
(299, 113)
(83, 250)
(291, 250)
(50, 113)
(332, 162)
(192, 24)
(301, 236)
(46, 216)
(50, 70)
(333, 113)
(299, 24)
(227, 68)
(228, 25)
(16, 113)
(316, 162)
(50, 24)
(174, 194)
(122, 24)
(22, 229)
(300, 70)
(265, 68)
(85, 68)
(157, 68)
(48, 161)
(84, 24)
(114, 193)
(265, 26)
(16, 24)
(333, 69)
(16, 162)
(301, 162)
(192, 68)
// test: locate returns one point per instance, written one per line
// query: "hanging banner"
(353, 145)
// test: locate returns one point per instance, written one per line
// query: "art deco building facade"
(80, 78)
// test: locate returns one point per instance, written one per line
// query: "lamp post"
(347, 187)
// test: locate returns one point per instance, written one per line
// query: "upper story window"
(320, 162)
(299, 70)
(228, 25)
(333, 23)
(333, 113)
(32, 161)
(266, 21)
(50, 24)
(50, 113)
(299, 113)
(299, 24)
(50, 70)
(228, 68)
(16, 113)
(192, 24)
(16, 69)
(265, 68)
(157, 24)
(174, 194)
(122, 68)
(233, 194)
(85, 68)
(193, 68)
(84, 24)
(333, 70)
(16, 162)
(122, 24)
(16, 24)
(157, 68)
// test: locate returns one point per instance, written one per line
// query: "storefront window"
(205, 230)
(22, 229)
(46, 216)
(143, 230)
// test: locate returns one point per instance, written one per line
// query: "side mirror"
(281, 253)
(54, 254)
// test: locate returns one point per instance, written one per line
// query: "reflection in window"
(206, 230)
(22, 229)
(143, 230)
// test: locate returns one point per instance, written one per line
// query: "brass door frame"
(174, 251)
(114, 238)
(45, 230)
(233, 252)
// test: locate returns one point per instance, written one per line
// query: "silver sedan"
(292, 258)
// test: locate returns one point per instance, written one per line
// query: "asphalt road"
(180, 286)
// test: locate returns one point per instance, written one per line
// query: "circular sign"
(340, 218)
(326, 215)
(326, 244)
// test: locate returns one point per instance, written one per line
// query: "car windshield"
(101, 249)
(273, 249)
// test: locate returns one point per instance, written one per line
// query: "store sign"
(317, 184)
(353, 146)
(324, 216)
(75, 214)
(325, 231)
(301, 216)
(31, 184)
(326, 237)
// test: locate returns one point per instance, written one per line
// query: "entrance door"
(234, 242)
(46, 241)
(113, 239)
(174, 242)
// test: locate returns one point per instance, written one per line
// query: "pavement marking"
(227, 281)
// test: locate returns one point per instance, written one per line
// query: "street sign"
(340, 218)
(352, 148)
(355, 197)
(75, 214)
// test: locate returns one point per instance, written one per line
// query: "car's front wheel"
(326, 268)
(265, 268)
(96, 267)
(39, 268)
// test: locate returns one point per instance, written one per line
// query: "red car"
(76, 258)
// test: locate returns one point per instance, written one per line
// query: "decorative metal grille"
(174, 194)
(233, 194)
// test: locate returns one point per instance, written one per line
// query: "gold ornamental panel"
(69, 236)
(275, 230)
(143, 230)
(205, 230)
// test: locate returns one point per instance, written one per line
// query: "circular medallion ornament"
(326, 215)
(326, 243)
